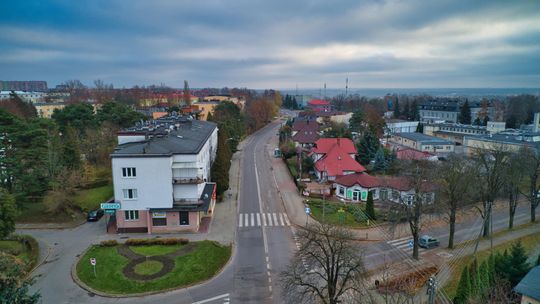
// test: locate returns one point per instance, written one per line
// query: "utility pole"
(346, 86)
(325, 91)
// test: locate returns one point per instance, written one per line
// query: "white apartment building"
(161, 174)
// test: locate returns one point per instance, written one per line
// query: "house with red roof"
(305, 132)
(319, 106)
(397, 189)
(334, 157)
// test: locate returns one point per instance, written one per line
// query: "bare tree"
(327, 268)
(491, 165)
(455, 178)
(418, 175)
(531, 162)
(514, 175)
(186, 95)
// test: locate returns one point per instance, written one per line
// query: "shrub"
(108, 243)
(164, 242)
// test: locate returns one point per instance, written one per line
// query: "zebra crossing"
(405, 245)
(270, 219)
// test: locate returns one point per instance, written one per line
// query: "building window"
(184, 218)
(395, 195)
(129, 172)
(131, 215)
(383, 193)
(130, 194)
(159, 219)
(410, 199)
(341, 191)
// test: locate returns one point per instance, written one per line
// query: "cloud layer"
(279, 44)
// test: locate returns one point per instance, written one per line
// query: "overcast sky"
(273, 43)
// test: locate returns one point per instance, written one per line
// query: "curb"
(40, 226)
(83, 285)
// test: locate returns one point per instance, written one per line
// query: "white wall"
(153, 182)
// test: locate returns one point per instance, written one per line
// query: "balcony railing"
(188, 180)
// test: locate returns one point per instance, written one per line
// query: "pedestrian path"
(405, 245)
(271, 219)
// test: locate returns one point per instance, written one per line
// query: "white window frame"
(126, 194)
(129, 172)
(131, 215)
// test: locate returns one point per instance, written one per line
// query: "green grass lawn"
(529, 242)
(151, 250)
(148, 267)
(11, 247)
(200, 264)
(90, 199)
(291, 163)
(351, 217)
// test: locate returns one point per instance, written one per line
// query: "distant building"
(447, 110)
(29, 86)
(205, 108)
(32, 97)
(319, 106)
(400, 126)
(529, 287)
(305, 132)
(422, 142)
(46, 109)
(404, 153)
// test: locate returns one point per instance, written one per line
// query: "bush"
(108, 243)
(164, 242)
(31, 246)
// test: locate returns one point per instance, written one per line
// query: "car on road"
(94, 215)
(427, 242)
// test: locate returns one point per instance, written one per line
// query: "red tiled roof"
(411, 154)
(337, 161)
(324, 145)
(318, 102)
(305, 137)
(365, 180)
(305, 125)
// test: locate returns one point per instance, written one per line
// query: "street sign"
(110, 205)
(110, 211)
(93, 261)
(308, 210)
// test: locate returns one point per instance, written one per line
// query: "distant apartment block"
(46, 109)
(161, 175)
(32, 97)
(400, 126)
(35, 86)
(447, 110)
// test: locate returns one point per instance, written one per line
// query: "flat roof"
(166, 136)
(424, 139)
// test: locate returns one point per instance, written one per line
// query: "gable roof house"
(334, 157)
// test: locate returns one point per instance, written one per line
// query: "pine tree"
(367, 148)
(380, 161)
(518, 263)
(370, 208)
(473, 275)
(186, 95)
(222, 164)
(464, 287)
(407, 111)
(465, 114)
(70, 149)
(8, 211)
(414, 111)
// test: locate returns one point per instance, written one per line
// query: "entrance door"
(184, 218)
(356, 195)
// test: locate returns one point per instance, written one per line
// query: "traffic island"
(129, 270)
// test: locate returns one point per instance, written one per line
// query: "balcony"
(188, 180)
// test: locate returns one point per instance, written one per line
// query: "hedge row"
(144, 242)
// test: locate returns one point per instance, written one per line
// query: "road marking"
(269, 219)
(240, 221)
(265, 241)
(275, 219)
(281, 219)
(247, 219)
(263, 220)
(258, 219)
(252, 219)
(212, 299)
(287, 219)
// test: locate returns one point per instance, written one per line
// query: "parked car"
(427, 242)
(95, 215)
